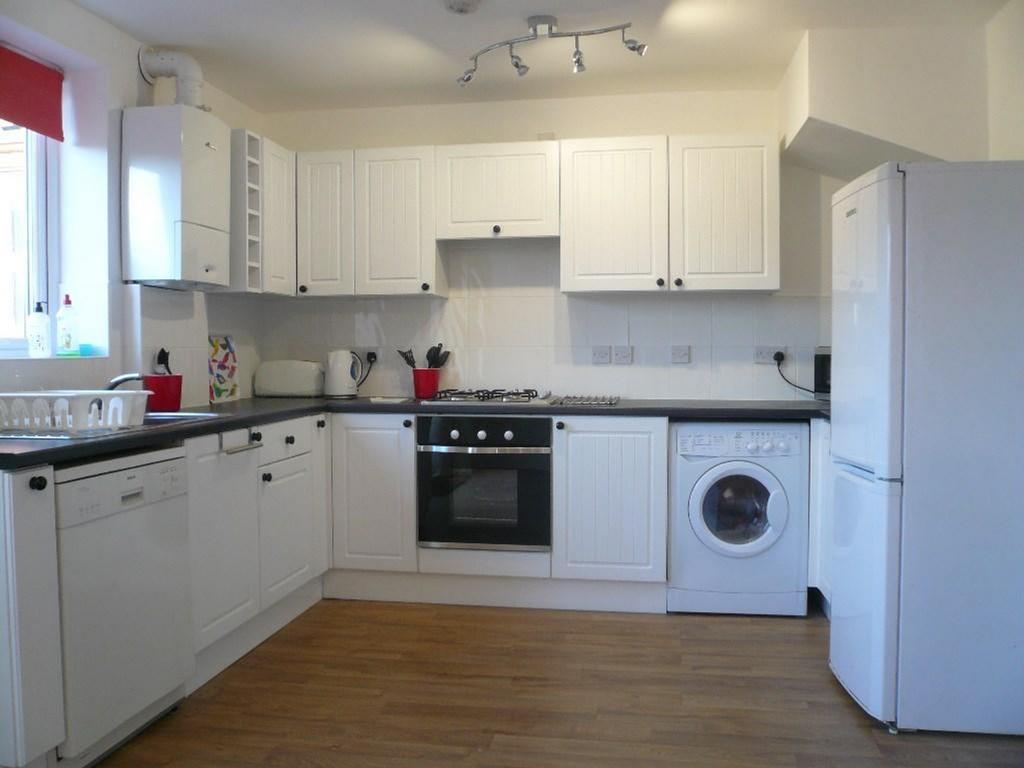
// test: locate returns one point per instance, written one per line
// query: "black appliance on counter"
(823, 372)
(484, 482)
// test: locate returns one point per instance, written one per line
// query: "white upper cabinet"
(326, 228)
(614, 214)
(497, 190)
(176, 196)
(278, 219)
(724, 212)
(610, 506)
(396, 251)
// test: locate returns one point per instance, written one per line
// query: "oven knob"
(752, 447)
(766, 447)
(509, 435)
(481, 435)
(780, 445)
(454, 434)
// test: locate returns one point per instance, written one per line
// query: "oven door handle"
(482, 450)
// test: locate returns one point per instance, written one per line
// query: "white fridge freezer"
(928, 445)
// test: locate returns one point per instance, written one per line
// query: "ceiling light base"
(542, 25)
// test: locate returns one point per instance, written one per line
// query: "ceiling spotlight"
(466, 77)
(640, 49)
(521, 69)
(577, 59)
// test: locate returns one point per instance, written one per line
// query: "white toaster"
(289, 378)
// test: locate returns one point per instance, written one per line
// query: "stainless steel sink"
(173, 417)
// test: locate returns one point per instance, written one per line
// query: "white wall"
(1005, 37)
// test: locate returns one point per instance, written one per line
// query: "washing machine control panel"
(739, 442)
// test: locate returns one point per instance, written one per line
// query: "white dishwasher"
(122, 536)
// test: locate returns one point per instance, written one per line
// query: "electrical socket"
(681, 354)
(600, 354)
(766, 355)
(622, 355)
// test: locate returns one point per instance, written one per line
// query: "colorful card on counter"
(223, 366)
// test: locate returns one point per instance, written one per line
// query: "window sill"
(21, 355)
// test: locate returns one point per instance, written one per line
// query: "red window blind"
(30, 94)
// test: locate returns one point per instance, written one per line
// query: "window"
(23, 273)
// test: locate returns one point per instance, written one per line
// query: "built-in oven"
(484, 482)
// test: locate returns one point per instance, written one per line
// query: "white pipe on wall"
(183, 68)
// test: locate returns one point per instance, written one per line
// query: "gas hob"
(485, 397)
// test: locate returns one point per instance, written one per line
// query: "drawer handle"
(678, 282)
(661, 281)
(559, 425)
(267, 477)
(321, 423)
(496, 229)
(407, 423)
(425, 286)
(211, 145)
(256, 437)
(289, 440)
(243, 449)
(303, 289)
(37, 483)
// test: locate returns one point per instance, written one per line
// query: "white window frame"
(41, 230)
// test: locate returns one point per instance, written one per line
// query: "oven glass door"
(484, 500)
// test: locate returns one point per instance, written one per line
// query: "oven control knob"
(454, 434)
(509, 435)
(481, 435)
(767, 447)
(752, 447)
(780, 445)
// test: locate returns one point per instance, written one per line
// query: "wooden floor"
(385, 684)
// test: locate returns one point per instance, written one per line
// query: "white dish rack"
(71, 411)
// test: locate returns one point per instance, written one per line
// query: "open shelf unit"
(246, 211)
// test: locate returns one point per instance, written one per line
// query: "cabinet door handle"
(407, 423)
(256, 437)
(289, 440)
(37, 483)
(661, 281)
(425, 286)
(678, 282)
(559, 425)
(496, 229)
(267, 477)
(303, 289)
(321, 423)
(242, 449)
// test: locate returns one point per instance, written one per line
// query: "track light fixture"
(547, 26)
(521, 69)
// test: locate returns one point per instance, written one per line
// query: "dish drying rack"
(74, 412)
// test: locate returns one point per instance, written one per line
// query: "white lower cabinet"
(374, 491)
(610, 505)
(286, 527)
(223, 532)
(31, 682)
(819, 540)
(320, 457)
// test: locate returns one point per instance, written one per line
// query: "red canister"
(425, 382)
(166, 389)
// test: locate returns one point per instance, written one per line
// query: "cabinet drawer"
(284, 439)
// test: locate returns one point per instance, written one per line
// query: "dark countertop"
(17, 453)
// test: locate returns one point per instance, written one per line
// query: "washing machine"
(738, 527)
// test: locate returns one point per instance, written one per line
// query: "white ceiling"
(317, 54)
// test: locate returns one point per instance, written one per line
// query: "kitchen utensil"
(443, 359)
(408, 356)
(425, 382)
(344, 374)
(163, 362)
(432, 354)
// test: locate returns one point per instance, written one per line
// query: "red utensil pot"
(425, 382)
(166, 389)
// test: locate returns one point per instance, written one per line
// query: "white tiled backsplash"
(507, 324)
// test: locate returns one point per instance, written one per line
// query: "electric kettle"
(344, 373)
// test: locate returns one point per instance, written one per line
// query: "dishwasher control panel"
(90, 498)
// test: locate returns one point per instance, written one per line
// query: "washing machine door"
(738, 509)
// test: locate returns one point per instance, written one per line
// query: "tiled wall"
(507, 324)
